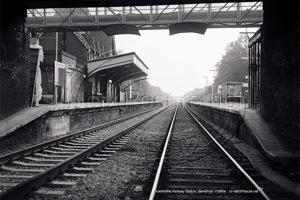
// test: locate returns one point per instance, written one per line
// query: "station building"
(90, 69)
(234, 91)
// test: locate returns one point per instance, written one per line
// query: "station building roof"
(118, 68)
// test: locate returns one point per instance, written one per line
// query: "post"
(212, 87)
(220, 97)
(212, 92)
(54, 86)
(206, 90)
(130, 88)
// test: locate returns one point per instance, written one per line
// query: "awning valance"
(118, 68)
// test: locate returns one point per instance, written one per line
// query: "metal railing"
(234, 14)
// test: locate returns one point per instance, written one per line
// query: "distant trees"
(143, 89)
(119, 51)
(151, 90)
(194, 94)
(232, 68)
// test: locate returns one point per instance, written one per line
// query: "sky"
(178, 63)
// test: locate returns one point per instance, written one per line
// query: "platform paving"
(261, 129)
(27, 115)
(258, 161)
(19, 119)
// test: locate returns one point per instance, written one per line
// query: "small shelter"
(105, 75)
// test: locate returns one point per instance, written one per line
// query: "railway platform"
(25, 116)
(266, 136)
(262, 131)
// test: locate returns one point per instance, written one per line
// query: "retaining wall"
(230, 121)
(60, 122)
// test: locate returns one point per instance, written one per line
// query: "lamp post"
(206, 84)
(206, 81)
(212, 87)
(54, 85)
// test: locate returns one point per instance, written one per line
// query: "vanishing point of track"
(193, 165)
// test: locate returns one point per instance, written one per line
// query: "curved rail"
(232, 160)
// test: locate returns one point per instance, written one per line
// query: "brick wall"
(76, 48)
(47, 68)
(280, 68)
(68, 42)
(14, 66)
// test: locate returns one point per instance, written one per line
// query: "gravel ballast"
(110, 178)
(119, 173)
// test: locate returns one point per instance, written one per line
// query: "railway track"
(194, 165)
(190, 164)
(58, 163)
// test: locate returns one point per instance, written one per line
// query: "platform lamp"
(206, 81)
(212, 86)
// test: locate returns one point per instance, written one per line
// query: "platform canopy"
(118, 68)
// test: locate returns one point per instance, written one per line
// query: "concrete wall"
(229, 121)
(280, 68)
(61, 122)
(14, 66)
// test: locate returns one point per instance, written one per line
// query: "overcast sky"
(178, 63)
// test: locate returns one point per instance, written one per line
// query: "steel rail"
(33, 183)
(38, 147)
(232, 159)
(153, 190)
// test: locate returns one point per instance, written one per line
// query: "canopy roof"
(118, 68)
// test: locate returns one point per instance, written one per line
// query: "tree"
(142, 88)
(194, 94)
(232, 68)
